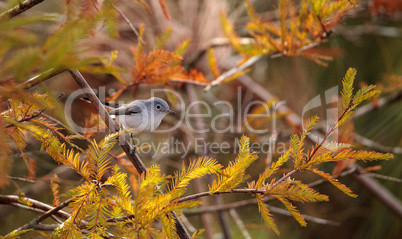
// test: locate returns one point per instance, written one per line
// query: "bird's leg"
(133, 147)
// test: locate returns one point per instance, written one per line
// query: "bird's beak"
(170, 112)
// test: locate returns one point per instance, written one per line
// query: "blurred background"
(369, 39)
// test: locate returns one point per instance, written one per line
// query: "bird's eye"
(158, 107)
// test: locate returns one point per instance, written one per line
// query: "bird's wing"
(127, 109)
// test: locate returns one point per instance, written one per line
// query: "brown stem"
(129, 24)
(34, 115)
(204, 194)
(20, 8)
(15, 201)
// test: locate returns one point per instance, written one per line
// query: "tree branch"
(249, 63)
(376, 146)
(36, 80)
(129, 24)
(383, 101)
(22, 7)
(248, 202)
(15, 201)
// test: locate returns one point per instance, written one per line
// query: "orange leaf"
(164, 8)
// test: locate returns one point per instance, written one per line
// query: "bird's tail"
(107, 104)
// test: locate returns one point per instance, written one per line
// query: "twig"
(130, 152)
(36, 222)
(189, 81)
(63, 125)
(129, 24)
(21, 179)
(41, 186)
(274, 209)
(15, 201)
(36, 80)
(380, 192)
(384, 177)
(214, 43)
(376, 146)
(22, 206)
(22, 7)
(34, 115)
(387, 100)
(233, 71)
(120, 219)
(357, 31)
(46, 227)
(306, 217)
(238, 190)
(239, 223)
(248, 202)
(249, 63)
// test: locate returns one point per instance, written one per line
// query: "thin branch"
(15, 201)
(121, 219)
(36, 80)
(233, 71)
(21, 179)
(187, 81)
(285, 177)
(377, 146)
(354, 32)
(214, 43)
(129, 24)
(248, 202)
(20, 8)
(34, 115)
(239, 223)
(249, 63)
(130, 152)
(239, 190)
(383, 194)
(22, 206)
(384, 101)
(306, 217)
(46, 227)
(384, 177)
(63, 125)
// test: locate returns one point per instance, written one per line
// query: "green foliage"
(266, 216)
(235, 172)
(196, 169)
(297, 28)
(272, 169)
(347, 90)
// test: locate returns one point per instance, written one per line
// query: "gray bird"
(140, 115)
